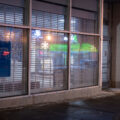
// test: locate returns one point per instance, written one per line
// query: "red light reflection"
(5, 53)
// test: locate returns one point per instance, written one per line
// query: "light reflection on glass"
(84, 61)
(49, 61)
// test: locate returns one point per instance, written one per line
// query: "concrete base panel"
(50, 97)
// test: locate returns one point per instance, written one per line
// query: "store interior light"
(62, 20)
(44, 45)
(5, 53)
(74, 38)
(37, 34)
(65, 38)
(49, 37)
(73, 21)
(9, 35)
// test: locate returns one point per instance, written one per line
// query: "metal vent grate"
(11, 14)
(47, 20)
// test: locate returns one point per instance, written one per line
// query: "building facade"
(50, 50)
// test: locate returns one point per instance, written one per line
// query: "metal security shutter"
(54, 19)
(48, 62)
(47, 20)
(106, 64)
(84, 48)
(106, 57)
(11, 14)
(40, 19)
(19, 12)
(2, 18)
(88, 26)
(61, 20)
(13, 84)
(83, 25)
(76, 24)
(34, 18)
(84, 61)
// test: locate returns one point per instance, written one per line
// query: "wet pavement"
(95, 108)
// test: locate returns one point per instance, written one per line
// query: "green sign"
(63, 47)
(85, 47)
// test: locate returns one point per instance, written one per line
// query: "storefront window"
(11, 62)
(48, 61)
(84, 61)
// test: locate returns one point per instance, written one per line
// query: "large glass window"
(84, 48)
(48, 61)
(48, 50)
(12, 68)
(84, 61)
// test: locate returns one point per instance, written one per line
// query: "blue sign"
(5, 58)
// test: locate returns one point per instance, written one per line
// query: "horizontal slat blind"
(84, 61)
(13, 84)
(106, 63)
(48, 62)
(11, 14)
(83, 25)
(47, 20)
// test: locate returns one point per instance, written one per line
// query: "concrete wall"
(117, 74)
(115, 46)
(51, 97)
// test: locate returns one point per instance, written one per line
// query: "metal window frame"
(101, 11)
(29, 27)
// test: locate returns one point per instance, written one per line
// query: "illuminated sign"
(74, 38)
(36, 34)
(5, 59)
(48, 37)
(5, 53)
(44, 45)
(58, 47)
(84, 47)
(63, 47)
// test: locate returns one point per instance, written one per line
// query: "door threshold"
(115, 90)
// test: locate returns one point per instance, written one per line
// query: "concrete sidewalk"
(105, 106)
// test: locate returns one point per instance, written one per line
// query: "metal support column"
(30, 16)
(100, 41)
(69, 43)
